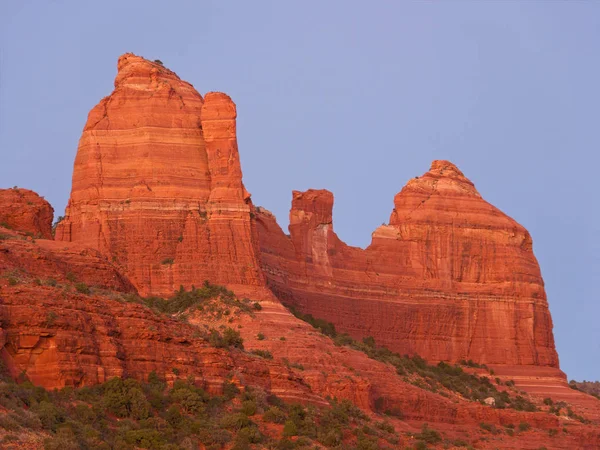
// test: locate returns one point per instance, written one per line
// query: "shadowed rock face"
(24, 210)
(157, 184)
(450, 277)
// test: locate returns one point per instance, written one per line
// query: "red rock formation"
(59, 337)
(450, 278)
(157, 184)
(24, 210)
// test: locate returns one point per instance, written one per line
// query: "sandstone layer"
(449, 278)
(57, 336)
(22, 209)
(157, 184)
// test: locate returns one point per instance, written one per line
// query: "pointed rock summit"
(157, 184)
(449, 278)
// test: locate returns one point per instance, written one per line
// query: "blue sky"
(355, 97)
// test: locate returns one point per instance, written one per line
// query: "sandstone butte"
(158, 201)
(449, 278)
(157, 184)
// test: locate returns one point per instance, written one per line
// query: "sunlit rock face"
(24, 210)
(157, 184)
(450, 277)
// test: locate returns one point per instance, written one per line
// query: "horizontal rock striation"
(57, 336)
(450, 277)
(157, 184)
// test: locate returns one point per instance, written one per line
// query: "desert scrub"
(209, 298)
(82, 288)
(262, 353)
(435, 378)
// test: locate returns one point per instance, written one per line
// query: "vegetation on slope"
(589, 387)
(126, 414)
(436, 378)
(212, 299)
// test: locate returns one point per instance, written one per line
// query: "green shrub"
(429, 435)
(275, 415)
(64, 439)
(229, 338)
(524, 426)
(235, 421)
(260, 337)
(167, 262)
(230, 390)
(262, 353)
(82, 288)
(257, 306)
(249, 407)
(50, 416)
(290, 428)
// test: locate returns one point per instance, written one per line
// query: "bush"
(50, 416)
(257, 306)
(263, 354)
(275, 415)
(249, 407)
(230, 338)
(290, 428)
(230, 390)
(167, 261)
(233, 338)
(429, 435)
(82, 288)
(260, 337)
(524, 426)
(235, 421)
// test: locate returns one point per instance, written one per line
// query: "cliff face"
(158, 202)
(157, 187)
(450, 277)
(22, 209)
(157, 184)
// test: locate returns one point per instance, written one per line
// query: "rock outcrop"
(157, 184)
(450, 277)
(65, 321)
(158, 202)
(24, 210)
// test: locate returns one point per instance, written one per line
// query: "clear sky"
(356, 97)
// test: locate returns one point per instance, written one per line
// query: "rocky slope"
(157, 184)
